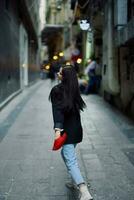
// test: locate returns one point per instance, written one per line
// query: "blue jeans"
(70, 160)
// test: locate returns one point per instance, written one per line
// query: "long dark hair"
(72, 97)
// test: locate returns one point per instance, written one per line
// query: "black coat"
(69, 121)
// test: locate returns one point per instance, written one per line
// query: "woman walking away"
(66, 106)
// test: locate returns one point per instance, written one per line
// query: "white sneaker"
(84, 193)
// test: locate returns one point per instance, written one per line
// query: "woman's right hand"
(57, 134)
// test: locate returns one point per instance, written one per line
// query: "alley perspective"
(67, 82)
(30, 170)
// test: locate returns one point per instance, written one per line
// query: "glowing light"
(61, 54)
(55, 57)
(89, 60)
(67, 63)
(24, 65)
(47, 67)
(79, 60)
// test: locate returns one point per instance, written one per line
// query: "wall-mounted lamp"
(84, 24)
(58, 4)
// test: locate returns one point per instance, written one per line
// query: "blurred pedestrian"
(52, 72)
(90, 72)
(93, 71)
(66, 105)
(98, 74)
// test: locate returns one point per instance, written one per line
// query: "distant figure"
(93, 71)
(82, 84)
(98, 74)
(52, 72)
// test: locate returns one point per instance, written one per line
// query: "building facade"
(125, 44)
(19, 21)
(56, 34)
(112, 26)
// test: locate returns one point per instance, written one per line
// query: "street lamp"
(85, 27)
(84, 24)
(61, 54)
(55, 57)
(58, 4)
(79, 60)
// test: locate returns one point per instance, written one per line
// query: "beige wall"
(58, 16)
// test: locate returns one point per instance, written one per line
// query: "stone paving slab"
(30, 170)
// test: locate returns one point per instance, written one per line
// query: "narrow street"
(30, 170)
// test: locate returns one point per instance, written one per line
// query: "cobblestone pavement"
(29, 170)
